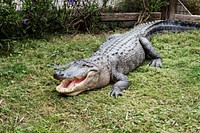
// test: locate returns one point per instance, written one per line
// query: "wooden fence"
(173, 15)
(127, 16)
(168, 12)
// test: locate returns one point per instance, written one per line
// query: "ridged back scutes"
(124, 38)
(148, 30)
(170, 26)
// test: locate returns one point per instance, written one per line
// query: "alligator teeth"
(81, 77)
(65, 83)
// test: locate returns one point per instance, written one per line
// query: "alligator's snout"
(59, 75)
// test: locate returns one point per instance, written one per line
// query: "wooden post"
(172, 8)
(164, 12)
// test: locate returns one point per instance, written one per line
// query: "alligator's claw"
(115, 93)
(156, 63)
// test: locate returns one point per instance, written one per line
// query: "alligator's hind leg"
(151, 52)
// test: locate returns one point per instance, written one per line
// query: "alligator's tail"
(170, 26)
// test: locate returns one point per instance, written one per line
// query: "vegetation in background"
(10, 21)
(158, 100)
(39, 17)
(122, 6)
(129, 6)
(136, 5)
(193, 6)
(149, 6)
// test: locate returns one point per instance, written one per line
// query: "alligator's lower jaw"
(63, 91)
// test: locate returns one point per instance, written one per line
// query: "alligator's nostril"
(55, 76)
(60, 75)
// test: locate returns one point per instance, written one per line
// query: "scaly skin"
(116, 57)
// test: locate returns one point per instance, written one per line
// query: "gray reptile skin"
(121, 54)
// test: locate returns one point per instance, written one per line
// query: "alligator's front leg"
(121, 84)
(151, 52)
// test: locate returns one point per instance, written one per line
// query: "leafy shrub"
(83, 15)
(43, 16)
(38, 17)
(10, 21)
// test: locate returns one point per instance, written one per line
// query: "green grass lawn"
(158, 100)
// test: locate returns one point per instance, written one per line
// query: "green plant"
(40, 17)
(37, 18)
(10, 21)
(75, 15)
(83, 15)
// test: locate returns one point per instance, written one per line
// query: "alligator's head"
(80, 76)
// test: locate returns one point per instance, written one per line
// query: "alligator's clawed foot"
(115, 93)
(156, 63)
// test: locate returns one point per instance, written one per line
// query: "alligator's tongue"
(74, 82)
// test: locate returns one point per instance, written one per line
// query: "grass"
(158, 100)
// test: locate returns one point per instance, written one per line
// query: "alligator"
(115, 58)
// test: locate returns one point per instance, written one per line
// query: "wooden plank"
(155, 15)
(192, 18)
(126, 16)
(119, 16)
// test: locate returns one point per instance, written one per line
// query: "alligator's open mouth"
(74, 86)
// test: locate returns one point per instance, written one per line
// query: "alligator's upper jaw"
(74, 86)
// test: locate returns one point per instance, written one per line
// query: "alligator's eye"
(84, 65)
